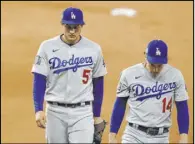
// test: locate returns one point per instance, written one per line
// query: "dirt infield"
(26, 24)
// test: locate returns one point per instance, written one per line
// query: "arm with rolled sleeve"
(181, 97)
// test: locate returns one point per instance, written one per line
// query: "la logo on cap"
(73, 16)
(158, 52)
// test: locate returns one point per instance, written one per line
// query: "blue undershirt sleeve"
(182, 116)
(39, 86)
(98, 92)
(118, 114)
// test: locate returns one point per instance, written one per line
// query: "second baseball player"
(150, 89)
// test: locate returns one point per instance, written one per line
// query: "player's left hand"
(99, 126)
(40, 119)
(183, 138)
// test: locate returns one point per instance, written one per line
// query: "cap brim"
(72, 22)
(157, 60)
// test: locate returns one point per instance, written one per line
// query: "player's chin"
(155, 73)
(72, 39)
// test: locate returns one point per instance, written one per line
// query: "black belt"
(70, 105)
(149, 130)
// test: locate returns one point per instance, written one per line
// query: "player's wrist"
(112, 135)
(38, 109)
(183, 136)
(98, 120)
(41, 111)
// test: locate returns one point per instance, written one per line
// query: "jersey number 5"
(168, 106)
(86, 75)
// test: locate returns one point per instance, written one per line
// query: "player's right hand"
(112, 138)
(40, 119)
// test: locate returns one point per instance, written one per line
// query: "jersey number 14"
(165, 105)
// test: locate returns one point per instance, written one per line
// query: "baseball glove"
(98, 132)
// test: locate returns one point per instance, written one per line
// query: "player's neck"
(63, 38)
(154, 75)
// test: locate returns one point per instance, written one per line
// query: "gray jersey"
(151, 99)
(69, 69)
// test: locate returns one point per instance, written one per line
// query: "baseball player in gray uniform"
(68, 73)
(150, 89)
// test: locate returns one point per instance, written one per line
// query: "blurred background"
(24, 25)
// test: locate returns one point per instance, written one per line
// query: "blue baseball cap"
(156, 52)
(72, 16)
